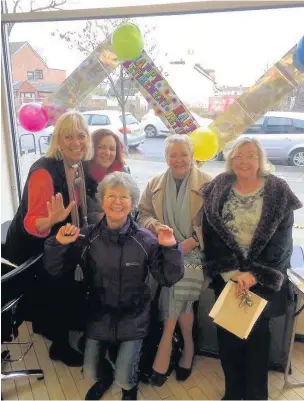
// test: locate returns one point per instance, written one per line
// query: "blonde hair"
(263, 165)
(71, 121)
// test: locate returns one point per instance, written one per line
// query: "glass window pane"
(256, 128)
(299, 125)
(279, 125)
(99, 120)
(40, 64)
(129, 119)
(278, 121)
(87, 117)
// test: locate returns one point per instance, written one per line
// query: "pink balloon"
(33, 117)
(53, 112)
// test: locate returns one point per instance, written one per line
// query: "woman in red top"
(54, 194)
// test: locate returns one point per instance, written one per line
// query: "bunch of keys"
(245, 299)
(79, 236)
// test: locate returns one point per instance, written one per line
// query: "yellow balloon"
(127, 41)
(205, 144)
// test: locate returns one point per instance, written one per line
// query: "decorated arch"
(279, 81)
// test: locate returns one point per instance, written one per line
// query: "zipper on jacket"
(119, 292)
(116, 317)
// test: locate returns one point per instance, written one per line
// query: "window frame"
(9, 120)
(33, 74)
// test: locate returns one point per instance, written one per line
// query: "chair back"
(15, 283)
(4, 230)
(19, 280)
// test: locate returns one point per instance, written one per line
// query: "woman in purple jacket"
(119, 258)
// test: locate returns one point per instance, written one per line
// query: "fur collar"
(278, 201)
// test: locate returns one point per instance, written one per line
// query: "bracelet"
(197, 244)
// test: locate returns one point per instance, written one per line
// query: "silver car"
(282, 136)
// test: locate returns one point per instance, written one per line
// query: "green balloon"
(127, 42)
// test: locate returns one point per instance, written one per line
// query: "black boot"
(65, 353)
(99, 388)
(130, 394)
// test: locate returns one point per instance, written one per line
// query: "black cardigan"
(270, 252)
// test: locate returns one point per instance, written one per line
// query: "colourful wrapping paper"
(159, 94)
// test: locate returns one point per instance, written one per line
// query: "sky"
(237, 45)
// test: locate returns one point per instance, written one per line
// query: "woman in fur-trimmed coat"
(247, 230)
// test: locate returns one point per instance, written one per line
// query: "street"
(148, 160)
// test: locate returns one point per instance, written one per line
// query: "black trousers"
(55, 306)
(245, 362)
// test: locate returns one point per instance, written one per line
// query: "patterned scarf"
(79, 183)
(177, 215)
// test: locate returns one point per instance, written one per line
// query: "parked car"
(112, 119)
(153, 126)
(282, 136)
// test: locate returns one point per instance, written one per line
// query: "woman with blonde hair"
(247, 231)
(54, 194)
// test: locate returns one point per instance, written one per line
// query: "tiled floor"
(61, 382)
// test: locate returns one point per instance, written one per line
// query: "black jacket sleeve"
(271, 266)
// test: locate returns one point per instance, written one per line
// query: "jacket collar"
(278, 200)
(118, 236)
(196, 181)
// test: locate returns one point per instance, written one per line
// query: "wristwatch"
(194, 236)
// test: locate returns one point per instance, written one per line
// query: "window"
(27, 95)
(256, 127)
(129, 119)
(99, 120)
(195, 91)
(30, 76)
(87, 117)
(299, 125)
(279, 125)
(38, 74)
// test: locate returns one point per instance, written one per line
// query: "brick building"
(33, 80)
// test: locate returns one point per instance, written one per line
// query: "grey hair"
(263, 165)
(118, 179)
(180, 139)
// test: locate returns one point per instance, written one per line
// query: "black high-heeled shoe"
(158, 379)
(182, 374)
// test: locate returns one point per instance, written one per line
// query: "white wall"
(7, 210)
(8, 196)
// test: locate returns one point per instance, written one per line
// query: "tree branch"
(128, 90)
(53, 5)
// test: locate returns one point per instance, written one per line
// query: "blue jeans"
(126, 366)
